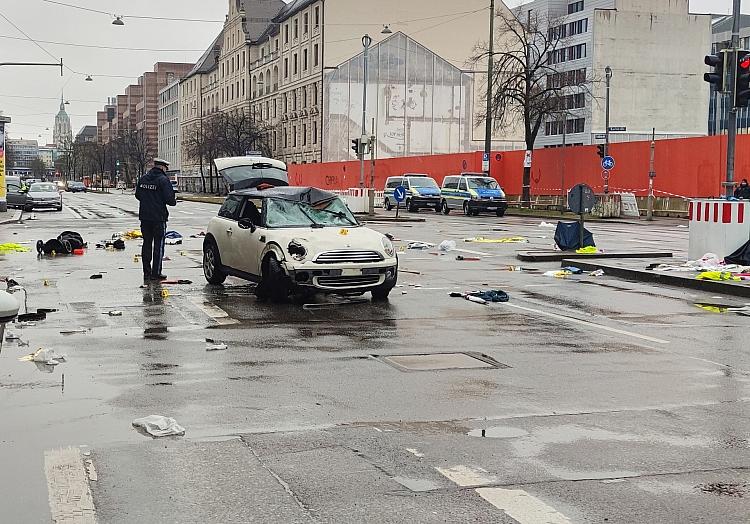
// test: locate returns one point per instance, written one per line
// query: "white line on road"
(415, 452)
(70, 499)
(521, 506)
(219, 316)
(590, 324)
(466, 476)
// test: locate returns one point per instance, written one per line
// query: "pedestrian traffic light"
(718, 78)
(355, 146)
(742, 85)
(600, 150)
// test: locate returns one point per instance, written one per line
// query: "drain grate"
(440, 361)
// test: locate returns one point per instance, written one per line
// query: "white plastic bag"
(447, 245)
(159, 426)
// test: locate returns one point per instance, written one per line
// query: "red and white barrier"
(718, 226)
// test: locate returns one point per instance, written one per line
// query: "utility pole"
(371, 196)
(490, 67)
(651, 176)
(366, 41)
(608, 75)
(732, 81)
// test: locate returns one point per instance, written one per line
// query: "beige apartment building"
(272, 59)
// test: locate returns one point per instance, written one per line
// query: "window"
(296, 28)
(304, 97)
(575, 7)
(243, 60)
(304, 60)
(286, 68)
(294, 136)
(315, 94)
(304, 134)
(315, 132)
(286, 33)
(451, 183)
(317, 17)
(243, 87)
(316, 59)
(274, 108)
(306, 23)
(294, 100)
(295, 64)
(231, 207)
(462, 185)
(393, 183)
(286, 138)
(286, 104)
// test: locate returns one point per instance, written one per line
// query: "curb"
(15, 217)
(555, 256)
(204, 200)
(709, 286)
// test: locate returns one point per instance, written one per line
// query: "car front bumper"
(425, 201)
(44, 204)
(342, 278)
(488, 205)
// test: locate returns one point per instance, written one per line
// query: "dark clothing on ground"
(153, 247)
(154, 192)
(742, 192)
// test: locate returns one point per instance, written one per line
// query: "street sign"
(605, 174)
(399, 194)
(600, 136)
(485, 162)
(581, 199)
(527, 159)
(617, 128)
(608, 163)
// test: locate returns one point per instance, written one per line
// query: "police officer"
(154, 192)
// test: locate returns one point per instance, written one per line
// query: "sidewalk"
(12, 215)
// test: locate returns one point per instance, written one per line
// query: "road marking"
(70, 499)
(521, 506)
(590, 324)
(217, 314)
(466, 476)
(415, 452)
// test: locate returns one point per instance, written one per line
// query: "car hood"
(428, 191)
(487, 193)
(318, 241)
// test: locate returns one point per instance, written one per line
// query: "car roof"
(416, 174)
(476, 175)
(310, 195)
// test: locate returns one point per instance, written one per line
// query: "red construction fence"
(690, 167)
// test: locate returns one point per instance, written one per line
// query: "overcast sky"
(30, 96)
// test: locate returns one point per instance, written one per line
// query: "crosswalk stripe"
(521, 506)
(466, 476)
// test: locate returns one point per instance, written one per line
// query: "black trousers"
(153, 247)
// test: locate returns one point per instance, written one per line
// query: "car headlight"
(297, 250)
(388, 246)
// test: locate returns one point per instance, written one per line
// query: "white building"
(169, 125)
(654, 48)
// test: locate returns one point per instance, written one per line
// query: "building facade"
(62, 134)
(87, 134)
(48, 154)
(271, 59)
(169, 125)
(21, 154)
(637, 40)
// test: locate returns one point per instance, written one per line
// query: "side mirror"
(246, 223)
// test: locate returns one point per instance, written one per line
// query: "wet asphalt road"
(612, 400)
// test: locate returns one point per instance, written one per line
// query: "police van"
(421, 191)
(472, 193)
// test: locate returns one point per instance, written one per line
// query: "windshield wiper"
(339, 214)
(314, 224)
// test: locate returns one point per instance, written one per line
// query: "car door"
(248, 243)
(14, 196)
(463, 193)
(227, 228)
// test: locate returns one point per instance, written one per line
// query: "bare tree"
(38, 168)
(241, 132)
(133, 147)
(528, 87)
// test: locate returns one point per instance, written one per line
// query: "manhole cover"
(437, 361)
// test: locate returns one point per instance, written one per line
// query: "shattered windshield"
(483, 183)
(286, 213)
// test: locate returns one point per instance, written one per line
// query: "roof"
(207, 61)
(309, 195)
(292, 8)
(259, 15)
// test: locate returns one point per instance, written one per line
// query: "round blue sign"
(399, 194)
(608, 162)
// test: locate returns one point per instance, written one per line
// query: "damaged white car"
(294, 239)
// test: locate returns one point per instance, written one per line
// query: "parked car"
(15, 192)
(43, 195)
(421, 191)
(472, 193)
(294, 239)
(76, 187)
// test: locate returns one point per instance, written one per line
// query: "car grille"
(343, 256)
(348, 282)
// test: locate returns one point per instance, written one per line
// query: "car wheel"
(381, 293)
(387, 205)
(28, 208)
(438, 207)
(407, 204)
(274, 283)
(212, 269)
(500, 212)
(467, 209)
(475, 212)
(444, 207)
(58, 208)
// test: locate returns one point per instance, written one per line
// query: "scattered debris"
(409, 272)
(73, 331)
(468, 259)
(420, 245)
(392, 238)
(558, 274)
(717, 276)
(96, 276)
(179, 281)
(172, 238)
(491, 295)
(507, 240)
(597, 273)
(447, 245)
(65, 244)
(159, 426)
(588, 250)
(46, 356)
(212, 345)
(11, 336)
(573, 270)
(12, 248)
(114, 313)
(548, 224)
(730, 489)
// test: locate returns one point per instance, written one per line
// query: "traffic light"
(600, 150)
(718, 78)
(355, 146)
(742, 85)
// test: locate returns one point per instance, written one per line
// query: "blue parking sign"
(399, 194)
(608, 163)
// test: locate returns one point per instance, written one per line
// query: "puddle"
(498, 432)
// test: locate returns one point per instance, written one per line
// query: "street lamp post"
(366, 41)
(608, 76)
(490, 66)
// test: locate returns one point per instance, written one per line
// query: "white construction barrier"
(717, 226)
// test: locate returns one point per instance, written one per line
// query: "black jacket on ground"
(155, 193)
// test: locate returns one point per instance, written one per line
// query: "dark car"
(76, 187)
(15, 192)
